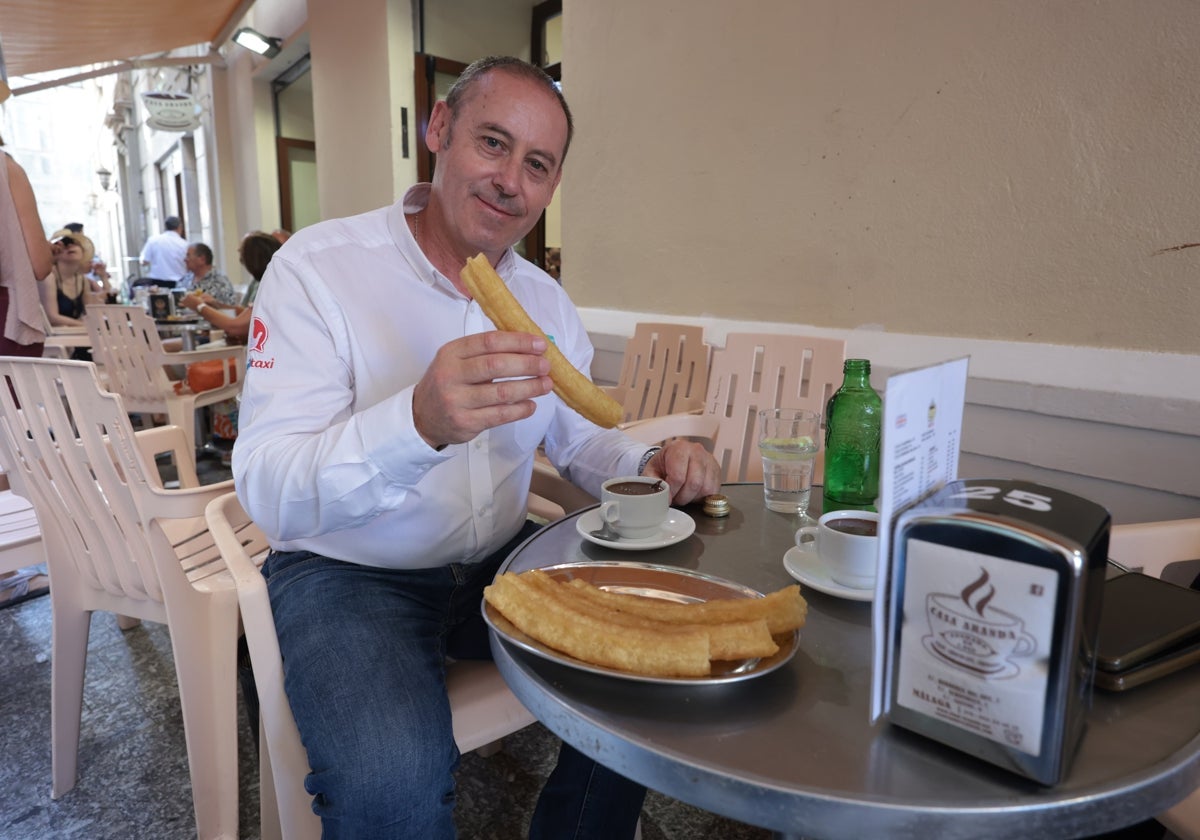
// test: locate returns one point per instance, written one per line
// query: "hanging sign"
(172, 111)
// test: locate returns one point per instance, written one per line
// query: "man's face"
(194, 262)
(500, 162)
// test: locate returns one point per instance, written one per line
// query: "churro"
(498, 303)
(644, 635)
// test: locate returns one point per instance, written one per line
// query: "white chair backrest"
(20, 537)
(125, 340)
(1153, 546)
(664, 371)
(76, 467)
(286, 759)
(755, 371)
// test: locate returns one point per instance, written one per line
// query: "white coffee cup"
(635, 506)
(848, 553)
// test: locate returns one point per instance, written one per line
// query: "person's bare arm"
(30, 220)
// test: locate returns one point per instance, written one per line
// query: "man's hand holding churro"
(480, 381)
(498, 303)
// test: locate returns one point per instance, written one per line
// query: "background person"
(255, 252)
(65, 287)
(386, 444)
(203, 279)
(163, 256)
(25, 255)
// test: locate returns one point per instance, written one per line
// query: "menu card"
(922, 425)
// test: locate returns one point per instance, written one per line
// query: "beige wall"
(995, 170)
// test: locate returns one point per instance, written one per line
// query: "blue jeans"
(364, 654)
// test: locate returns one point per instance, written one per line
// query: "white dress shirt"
(349, 316)
(164, 253)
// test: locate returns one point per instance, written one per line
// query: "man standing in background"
(163, 256)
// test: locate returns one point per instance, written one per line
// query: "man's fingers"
(688, 468)
(498, 341)
(502, 366)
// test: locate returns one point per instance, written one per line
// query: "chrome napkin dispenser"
(994, 596)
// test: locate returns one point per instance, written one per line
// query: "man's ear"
(439, 127)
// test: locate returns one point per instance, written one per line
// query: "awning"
(43, 35)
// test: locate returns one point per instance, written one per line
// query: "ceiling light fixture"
(257, 42)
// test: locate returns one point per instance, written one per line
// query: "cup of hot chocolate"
(847, 544)
(635, 506)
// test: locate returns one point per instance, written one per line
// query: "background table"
(793, 751)
(185, 330)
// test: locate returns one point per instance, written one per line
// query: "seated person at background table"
(386, 443)
(255, 252)
(101, 281)
(202, 278)
(65, 289)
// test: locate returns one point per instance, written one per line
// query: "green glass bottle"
(852, 433)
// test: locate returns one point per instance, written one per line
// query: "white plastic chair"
(1152, 547)
(482, 707)
(20, 537)
(62, 341)
(117, 541)
(664, 371)
(751, 372)
(551, 496)
(125, 341)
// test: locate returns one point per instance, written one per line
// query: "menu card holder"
(994, 600)
(162, 305)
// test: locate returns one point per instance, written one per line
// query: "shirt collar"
(415, 200)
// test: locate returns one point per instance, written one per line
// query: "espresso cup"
(635, 506)
(847, 543)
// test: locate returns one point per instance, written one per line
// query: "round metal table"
(793, 751)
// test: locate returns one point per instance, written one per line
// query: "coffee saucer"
(806, 567)
(677, 527)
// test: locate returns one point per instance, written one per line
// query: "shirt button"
(478, 443)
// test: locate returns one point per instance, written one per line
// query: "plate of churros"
(646, 622)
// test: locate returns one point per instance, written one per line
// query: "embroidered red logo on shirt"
(259, 334)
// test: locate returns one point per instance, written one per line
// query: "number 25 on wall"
(1019, 498)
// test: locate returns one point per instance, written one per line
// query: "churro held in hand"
(498, 303)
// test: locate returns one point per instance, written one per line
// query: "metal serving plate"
(651, 581)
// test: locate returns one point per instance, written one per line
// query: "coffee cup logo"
(967, 632)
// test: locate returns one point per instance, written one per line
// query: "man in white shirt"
(386, 442)
(164, 253)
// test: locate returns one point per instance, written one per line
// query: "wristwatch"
(650, 453)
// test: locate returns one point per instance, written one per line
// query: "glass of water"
(788, 439)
